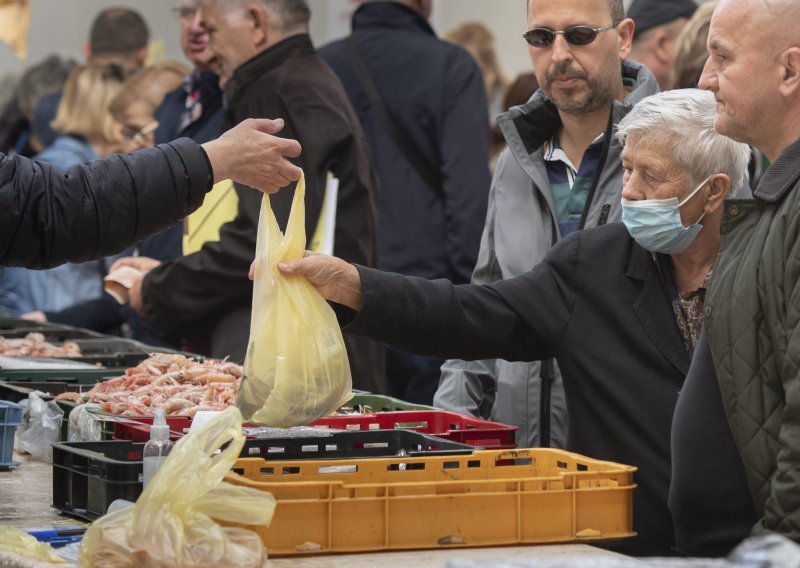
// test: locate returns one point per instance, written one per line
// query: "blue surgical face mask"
(656, 223)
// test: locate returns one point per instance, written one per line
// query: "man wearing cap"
(658, 23)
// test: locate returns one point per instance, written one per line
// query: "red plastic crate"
(138, 429)
(449, 425)
(440, 423)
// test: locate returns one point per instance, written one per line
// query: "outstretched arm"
(249, 154)
(505, 320)
(100, 208)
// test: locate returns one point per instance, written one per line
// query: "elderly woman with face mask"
(618, 306)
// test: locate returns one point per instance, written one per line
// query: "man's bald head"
(754, 71)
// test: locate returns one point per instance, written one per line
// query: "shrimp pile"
(34, 345)
(179, 385)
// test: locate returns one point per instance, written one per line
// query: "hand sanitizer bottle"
(157, 447)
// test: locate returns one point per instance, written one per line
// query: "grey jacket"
(521, 226)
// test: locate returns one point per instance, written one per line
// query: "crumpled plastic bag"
(84, 425)
(21, 544)
(172, 522)
(43, 427)
(296, 369)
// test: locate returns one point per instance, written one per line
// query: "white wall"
(60, 26)
(505, 18)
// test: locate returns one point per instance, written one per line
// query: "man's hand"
(35, 316)
(249, 154)
(335, 279)
(143, 265)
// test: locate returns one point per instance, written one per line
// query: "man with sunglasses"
(561, 172)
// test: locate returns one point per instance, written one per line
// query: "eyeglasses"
(139, 136)
(114, 72)
(184, 12)
(576, 35)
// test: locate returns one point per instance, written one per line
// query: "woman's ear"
(718, 187)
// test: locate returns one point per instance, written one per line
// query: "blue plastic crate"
(10, 418)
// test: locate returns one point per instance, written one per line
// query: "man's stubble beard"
(596, 93)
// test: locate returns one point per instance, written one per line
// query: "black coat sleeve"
(188, 292)
(520, 319)
(96, 209)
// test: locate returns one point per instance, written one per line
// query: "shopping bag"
(296, 369)
(172, 522)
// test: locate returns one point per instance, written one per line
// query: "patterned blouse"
(687, 307)
(688, 311)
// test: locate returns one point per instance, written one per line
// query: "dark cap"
(648, 14)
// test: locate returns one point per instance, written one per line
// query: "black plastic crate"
(89, 476)
(86, 377)
(107, 352)
(52, 333)
(356, 444)
(118, 353)
(19, 324)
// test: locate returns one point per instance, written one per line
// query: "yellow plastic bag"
(296, 369)
(172, 522)
(20, 545)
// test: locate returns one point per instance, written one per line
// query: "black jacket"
(209, 290)
(434, 92)
(596, 304)
(98, 209)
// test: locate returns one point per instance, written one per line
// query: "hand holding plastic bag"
(296, 369)
(172, 523)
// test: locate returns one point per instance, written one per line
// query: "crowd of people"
(602, 252)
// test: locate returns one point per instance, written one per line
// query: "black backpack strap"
(404, 144)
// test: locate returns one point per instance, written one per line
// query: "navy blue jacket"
(434, 91)
(205, 128)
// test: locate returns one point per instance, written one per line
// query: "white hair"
(290, 15)
(681, 122)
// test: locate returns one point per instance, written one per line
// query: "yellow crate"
(492, 497)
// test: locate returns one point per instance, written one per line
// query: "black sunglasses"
(184, 12)
(576, 35)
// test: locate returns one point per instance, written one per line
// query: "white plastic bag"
(43, 428)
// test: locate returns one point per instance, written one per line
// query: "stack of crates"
(10, 418)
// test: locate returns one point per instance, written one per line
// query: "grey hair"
(682, 122)
(290, 15)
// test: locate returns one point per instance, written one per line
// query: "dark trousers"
(413, 378)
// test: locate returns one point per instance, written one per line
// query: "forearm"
(96, 209)
(437, 318)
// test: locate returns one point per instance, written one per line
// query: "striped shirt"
(569, 185)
